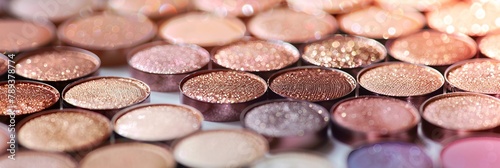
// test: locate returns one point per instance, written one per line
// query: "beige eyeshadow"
(63, 130)
(220, 148)
(130, 155)
(152, 9)
(433, 48)
(330, 6)
(106, 31)
(203, 29)
(104, 93)
(55, 11)
(489, 45)
(158, 122)
(22, 35)
(473, 19)
(463, 111)
(235, 7)
(256, 55)
(477, 75)
(293, 159)
(57, 64)
(26, 159)
(343, 51)
(30, 97)
(400, 79)
(291, 26)
(378, 23)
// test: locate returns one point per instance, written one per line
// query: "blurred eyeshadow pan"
(4, 65)
(421, 5)
(330, 6)
(489, 45)
(56, 11)
(38, 159)
(389, 154)
(15, 30)
(30, 97)
(240, 8)
(293, 159)
(472, 152)
(152, 9)
(476, 75)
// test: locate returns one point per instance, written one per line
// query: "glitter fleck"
(477, 75)
(29, 97)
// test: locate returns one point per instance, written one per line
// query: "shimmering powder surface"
(290, 26)
(202, 29)
(256, 55)
(107, 93)
(313, 84)
(474, 19)
(107, 31)
(235, 7)
(464, 112)
(481, 76)
(29, 97)
(330, 6)
(57, 65)
(293, 159)
(225, 87)
(63, 131)
(154, 9)
(490, 46)
(472, 152)
(432, 48)
(170, 59)
(15, 40)
(39, 9)
(26, 159)
(375, 22)
(130, 155)
(220, 148)
(344, 52)
(279, 119)
(376, 114)
(390, 154)
(158, 122)
(401, 79)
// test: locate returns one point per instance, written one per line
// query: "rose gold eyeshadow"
(4, 138)
(30, 97)
(368, 119)
(56, 11)
(220, 148)
(157, 122)
(23, 35)
(152, 9)
(4, 64)
(344, 52)
(291, 26)
(489, 45)
(376, 22)
(133, 155)
(203, 29)
(476, 75)
(255, 55)
(421, 5)
(240, 8)
(63, 130)
(459, 113)
(38, 159)
(162, 66)
(400, 79)
(473, 19)
(433, 48)
(330, 6)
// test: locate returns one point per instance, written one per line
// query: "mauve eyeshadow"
(471, 152)
(388, 155)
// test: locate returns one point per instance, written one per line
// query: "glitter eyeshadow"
(489, 45)
(379, 23)
(55, 11)
(400, 79)
(312, 83)
(57, 64)
(462, 111)
(389, 154)
(291, 26)
(476, 75)
(256, 55)
(132, 155)
(105, 93)
(63, 130)
(235, 7)
(344, 51)
(433, 48)
(157, 122)
(220, 148)
(203, 29)
(38, 159)
(421, 5)
(330, 6)
(473, 19)
(224, 87)
(153, 9)
(472, 152)
(23, 35)
(30, 97)
(293, 159)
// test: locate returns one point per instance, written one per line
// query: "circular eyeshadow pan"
(479, 152)
(38, 159)
(476, 75)
(30, 97)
